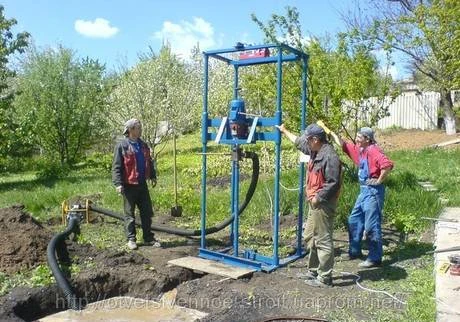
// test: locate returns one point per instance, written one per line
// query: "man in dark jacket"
(322, 192)
(131, 168)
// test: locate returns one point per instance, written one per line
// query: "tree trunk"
(449, 115)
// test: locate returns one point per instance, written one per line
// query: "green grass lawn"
(405, 201)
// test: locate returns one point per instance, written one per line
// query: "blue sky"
(115, 31)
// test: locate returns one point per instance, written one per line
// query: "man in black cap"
(131, 168)
(322, 192)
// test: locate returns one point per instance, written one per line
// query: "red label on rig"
(256, 53)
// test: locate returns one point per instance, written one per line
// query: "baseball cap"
(315, 130)
(368, 132)
(129, 124)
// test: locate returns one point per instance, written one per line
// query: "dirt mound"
(23, 240)
(412, 139)
(104, 274)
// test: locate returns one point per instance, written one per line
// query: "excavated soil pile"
(23, 240)
(413, 139)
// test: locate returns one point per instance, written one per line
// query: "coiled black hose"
(187, 232)
(63, 284)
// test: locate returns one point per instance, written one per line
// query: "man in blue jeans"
(366, 216)
(131, 168)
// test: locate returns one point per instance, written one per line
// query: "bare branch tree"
(426, 32)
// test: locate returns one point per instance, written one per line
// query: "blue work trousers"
(366, 216)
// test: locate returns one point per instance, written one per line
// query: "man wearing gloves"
(366, 216)
(131, 168)
(323, 186)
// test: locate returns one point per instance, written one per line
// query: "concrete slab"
(128, 309)
(447, 285)
(428, 186)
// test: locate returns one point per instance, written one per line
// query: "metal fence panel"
(413, 110)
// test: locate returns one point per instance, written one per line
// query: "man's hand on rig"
(281, 127)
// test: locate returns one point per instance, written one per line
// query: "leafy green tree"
(426, 33)
(63, 101)
(9, 45)
(163, 92)
(341, 78)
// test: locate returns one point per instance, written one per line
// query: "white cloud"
(99, 28)
(185, 35)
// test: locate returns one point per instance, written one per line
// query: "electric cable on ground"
(371, 290)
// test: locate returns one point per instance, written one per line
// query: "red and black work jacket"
(124, 165)
(324, 172)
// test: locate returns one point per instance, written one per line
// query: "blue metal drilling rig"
(239, 128)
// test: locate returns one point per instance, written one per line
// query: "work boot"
(320, 282)
(152, 242)
(308, 275)
(132, 244)
(369, 264)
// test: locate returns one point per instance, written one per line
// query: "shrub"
(99, 160)
(52, 171)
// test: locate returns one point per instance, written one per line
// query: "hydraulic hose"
(197, 232)
(63, 284)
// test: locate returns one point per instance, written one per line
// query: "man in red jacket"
(366, 216)
(131, 168)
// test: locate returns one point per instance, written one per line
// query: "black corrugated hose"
(186, 232)
(73, 222)
(73, 225)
